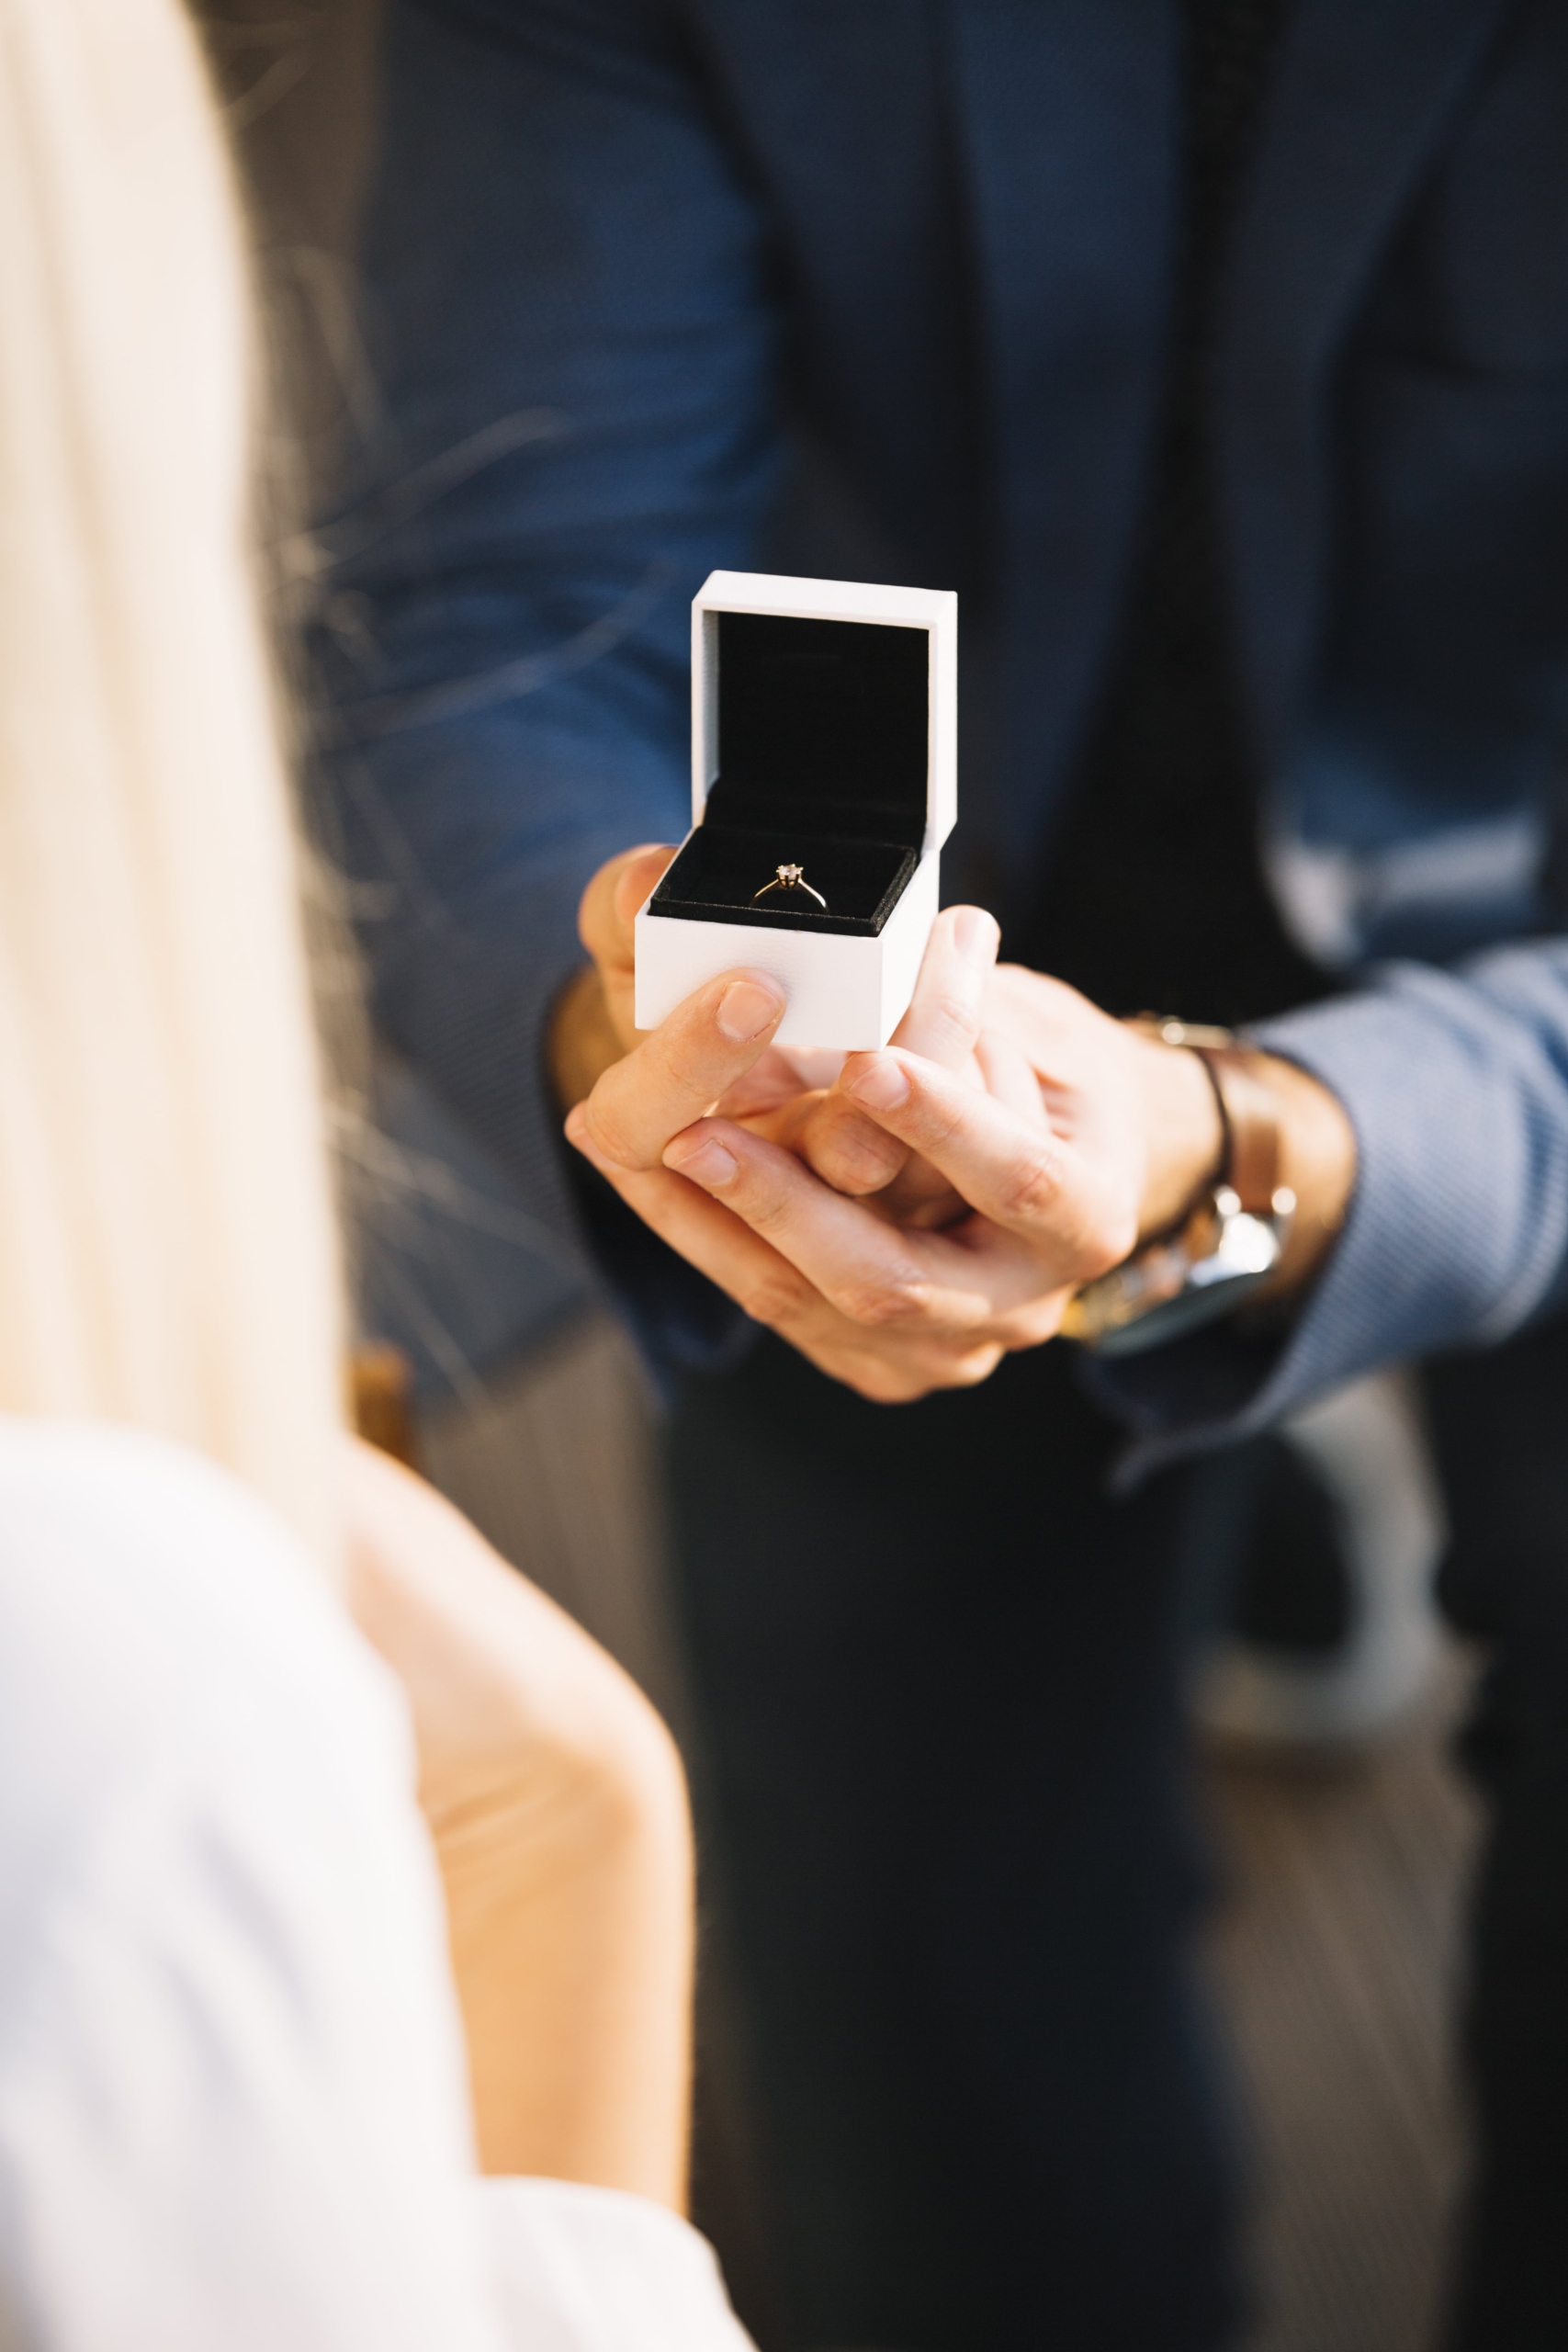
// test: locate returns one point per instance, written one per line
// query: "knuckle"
(945, 1120)
(935, 1117)
(955, 1013)
(612, 1136)
(857, 1158)
(773, 1298)
(881, 1302)
(1031, 1187)
(755, 1191)
(765, 1206)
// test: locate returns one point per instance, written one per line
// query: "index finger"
(1014, 1169)
(680, 1069)
(943, 1018)
(836, 1139)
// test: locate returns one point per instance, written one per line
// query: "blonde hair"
(167, 1254)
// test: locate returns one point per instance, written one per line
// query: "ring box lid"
(827, 705)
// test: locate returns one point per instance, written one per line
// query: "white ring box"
(824, 735)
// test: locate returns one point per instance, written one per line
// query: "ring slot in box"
(824, 725)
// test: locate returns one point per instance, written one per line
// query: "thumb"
(609, 904)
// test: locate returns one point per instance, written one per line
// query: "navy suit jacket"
(882, 289)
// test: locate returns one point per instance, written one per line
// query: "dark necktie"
(1155, 896)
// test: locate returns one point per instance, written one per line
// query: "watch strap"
(1251, 1119)
(1227, 1244)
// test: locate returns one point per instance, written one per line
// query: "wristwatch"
(1227, 1244)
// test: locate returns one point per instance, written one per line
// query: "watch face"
(1215, 1262)
(1174, 1317)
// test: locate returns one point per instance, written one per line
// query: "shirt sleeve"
(232, 2099)
(1456, 1085)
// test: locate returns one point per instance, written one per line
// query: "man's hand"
(835, 1137)
(1177, 1131)
(1049, 1179)
(593, 1025)
(714, 1053)
(1082, 1137)
(787, 1096)
(936, 1204)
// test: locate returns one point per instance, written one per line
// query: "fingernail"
(745, 1010)
(975, 934)
(881, 1087)
(706, 1163)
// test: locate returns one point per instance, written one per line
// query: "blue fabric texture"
(654, 286)
(1455, 1083)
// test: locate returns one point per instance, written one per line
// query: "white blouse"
(232, 2105)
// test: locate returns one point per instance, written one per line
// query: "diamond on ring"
(790, 877)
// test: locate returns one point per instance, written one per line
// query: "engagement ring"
(790, 877)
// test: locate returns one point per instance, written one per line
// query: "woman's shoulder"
(76, 1485)
(111, 1536)
(156, 1617)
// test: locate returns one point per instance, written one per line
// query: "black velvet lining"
(721, 868)
(835, 713)
(822, 763)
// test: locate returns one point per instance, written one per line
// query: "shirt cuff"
(581, 2269)
(1456, 1232)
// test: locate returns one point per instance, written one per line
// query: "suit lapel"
(1362, 94)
